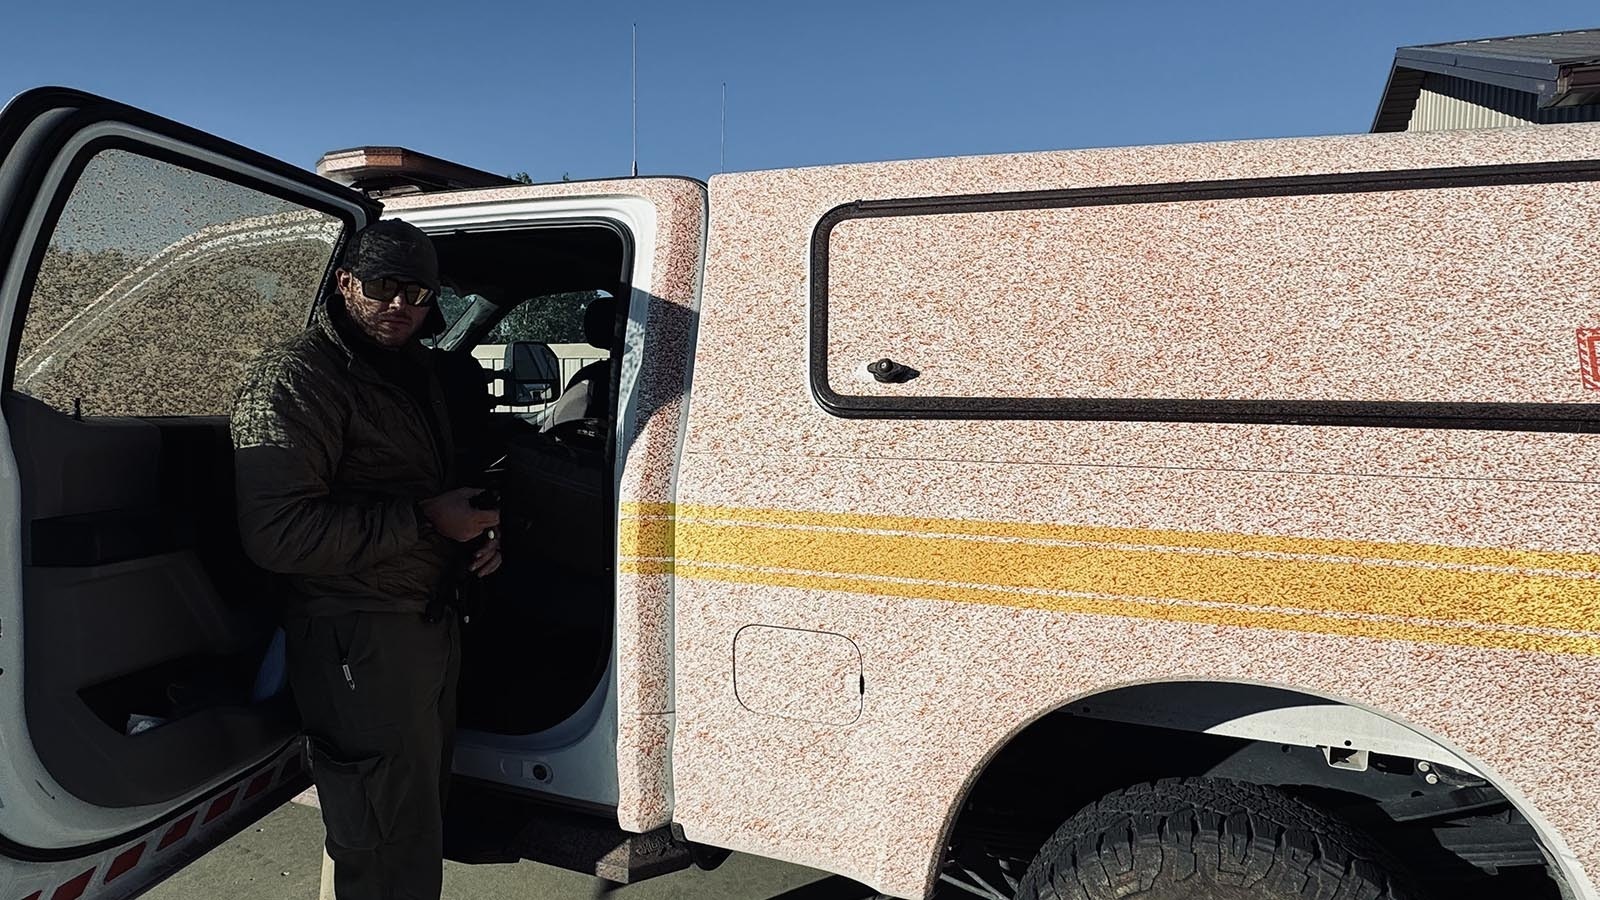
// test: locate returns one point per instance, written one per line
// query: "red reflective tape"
(74, 889)
(1589, 357)
(34, 896)
(258, 784)
(178, 830)
(127, 860)
(218, 807)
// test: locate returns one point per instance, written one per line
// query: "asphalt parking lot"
(280, 858)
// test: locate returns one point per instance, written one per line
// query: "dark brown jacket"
(331, 459)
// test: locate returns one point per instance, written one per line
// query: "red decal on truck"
(1589, 357)
(258, 785)
(219, 806)
(74, 889)
(128, 859)
(178, 830)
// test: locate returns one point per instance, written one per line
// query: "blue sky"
(544, 87)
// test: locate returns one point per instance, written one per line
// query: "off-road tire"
(1208, 839)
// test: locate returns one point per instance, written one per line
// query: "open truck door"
(146, 264)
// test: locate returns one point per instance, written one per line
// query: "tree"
(525, 178)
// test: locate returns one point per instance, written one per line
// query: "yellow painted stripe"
(1481, 597)
(648, 535)
(1531, 559)
(1283, 621)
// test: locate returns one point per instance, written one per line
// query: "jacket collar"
(322, 319)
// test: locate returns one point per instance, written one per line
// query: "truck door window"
(452, 304)
(160, 285)
(553, 319)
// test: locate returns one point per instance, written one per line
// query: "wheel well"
(1384, 778)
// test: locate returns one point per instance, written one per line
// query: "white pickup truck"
(1195, 521)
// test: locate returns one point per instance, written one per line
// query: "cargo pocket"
(344, 791)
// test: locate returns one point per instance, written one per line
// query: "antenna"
(722, 150)
(636, 99)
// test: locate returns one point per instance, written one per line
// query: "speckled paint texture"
(990, 572)
(814, 676)
(666, 306)
(1450, 307)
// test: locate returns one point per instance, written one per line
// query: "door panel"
(136, 583)
(146, 265)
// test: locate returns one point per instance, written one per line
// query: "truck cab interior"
(537, 640)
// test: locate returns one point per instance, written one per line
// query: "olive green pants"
(377, 696)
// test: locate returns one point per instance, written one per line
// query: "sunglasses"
(385, 289)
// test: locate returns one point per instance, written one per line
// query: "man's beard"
(371, 319)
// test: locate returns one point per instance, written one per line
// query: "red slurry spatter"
(178, 830)
(258, 784)
(74, 889)
(1589, 358)
(218, 807)
(125, 861)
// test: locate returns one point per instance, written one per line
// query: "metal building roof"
(1560, 69)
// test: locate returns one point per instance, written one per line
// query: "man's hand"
(487, 560)
(457, 519)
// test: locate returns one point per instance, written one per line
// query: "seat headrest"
(600, 321)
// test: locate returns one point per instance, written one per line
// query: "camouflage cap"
(390, 248)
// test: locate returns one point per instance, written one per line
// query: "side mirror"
(532, 373)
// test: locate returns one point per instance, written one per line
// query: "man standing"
(345, 485)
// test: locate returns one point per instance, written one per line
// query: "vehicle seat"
(587, 392)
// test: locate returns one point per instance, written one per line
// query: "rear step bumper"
(488, 824)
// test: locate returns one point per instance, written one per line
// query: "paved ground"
(280, 858)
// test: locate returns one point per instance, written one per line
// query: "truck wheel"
(1208, 839)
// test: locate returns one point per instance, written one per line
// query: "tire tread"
(1209, 831)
